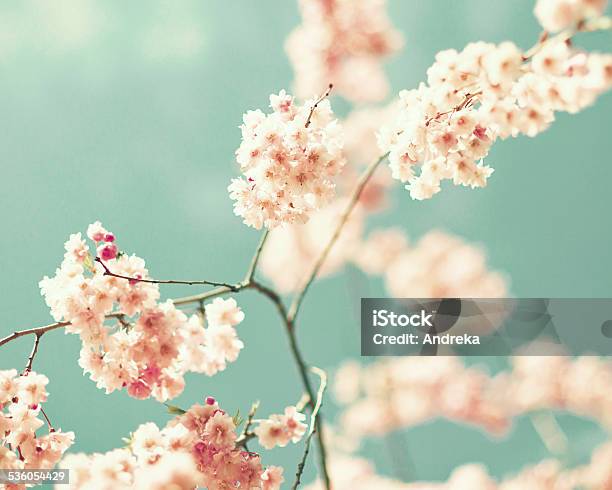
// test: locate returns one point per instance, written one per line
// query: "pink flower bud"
(108, 251)
(210, 400)
(135, 281)
(109, 237)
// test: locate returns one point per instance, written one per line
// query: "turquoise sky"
(128, 112)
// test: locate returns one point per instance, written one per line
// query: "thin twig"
(255, 260)
(45, 328)
(108, 272)
(28, 367)
(49, 424)
(245, 436)
(313, 426)
(302, 367)
(288, 316)
(318, 101)
(295, 305)
(213, 293)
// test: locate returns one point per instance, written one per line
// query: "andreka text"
(413, 339)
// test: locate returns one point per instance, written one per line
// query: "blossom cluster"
(352, 473)
(344, 42)
(580, 386)
(447, 126)
(555, 15)
(149, 345)
(291, 251)
(288, 159)
(195, 449)
(439, 265)
(376, 395)
(21, 399)
(280, 429)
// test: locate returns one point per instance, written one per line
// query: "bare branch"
(108, 272)
(318, 101)
(253, 266)
(28, 367)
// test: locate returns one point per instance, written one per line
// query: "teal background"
(129, 112)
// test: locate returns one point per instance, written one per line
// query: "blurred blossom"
(291, 250)
(376, 395)
(342, 42)
(353, 473)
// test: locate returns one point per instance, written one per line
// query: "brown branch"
(37, 337)
(45, 328)
(288, 316)
(318, 101)
(49, 424)
(255, 260)
(299, 297)
(108, 272)
(302, 367)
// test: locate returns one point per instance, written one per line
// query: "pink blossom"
(288, 160)
(344, 43)
(149, 349)
(278, 429)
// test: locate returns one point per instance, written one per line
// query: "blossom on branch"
(288, 159)
(280, 429)
(446, 127)
(21, 416)
(555, 15)
(195, 449)
(148, 345)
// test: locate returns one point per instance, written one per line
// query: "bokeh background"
(128, 112)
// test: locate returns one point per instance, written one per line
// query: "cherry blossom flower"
(343, 42)
(272, 478)
(197, 448)
(439, 265)
(224, 312)
(21, 400)
(279, 430)
(445, 128)
(555, 15)
(288, 160)
(443, 387)
(150, 345)
(353, 473)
